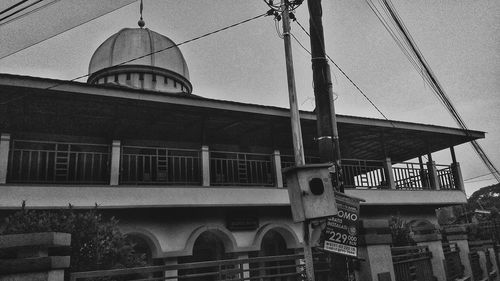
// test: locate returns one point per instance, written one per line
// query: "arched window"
(207, 247)
(273, 244)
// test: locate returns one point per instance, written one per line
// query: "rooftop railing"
(83, 163)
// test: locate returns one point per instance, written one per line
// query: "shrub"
(96, 242)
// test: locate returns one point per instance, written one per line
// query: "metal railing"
(445, 177)
(233, 168)
(283, 268)
(158, 165)
(412, 263)
(58, 162)
(411, 176)
(453, 264)
(364, 174)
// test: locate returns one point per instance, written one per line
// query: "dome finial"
(141, 22)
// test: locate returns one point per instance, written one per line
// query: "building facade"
(194, 178)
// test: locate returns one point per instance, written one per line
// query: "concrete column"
(458, 235)
(389, 173)
(433, 176)
(115, 163)
(205, 166)
(457, 176)
(4, 157)
(245, 267)
(433, 242)
(375, 250)
(493, 259)
(482, 263)
(172, 272)
(277, 169)
(27, 256)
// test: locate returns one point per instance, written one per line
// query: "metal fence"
(156, 165)
(232, 168)
(453, 264)
(411, 176)
(412, 263)
(58, 162)
(445, 177)
(279, 268)
(364, 174)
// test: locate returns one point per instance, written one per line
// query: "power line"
(20, 10)
(149, 54)
(345, 75)
(12, 7)
(477, 177)
(173, 46)
(50, 37)
(399, 32)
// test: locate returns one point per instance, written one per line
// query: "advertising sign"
(341, 232)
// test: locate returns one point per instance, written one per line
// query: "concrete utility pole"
(298, 146)
(328, 136)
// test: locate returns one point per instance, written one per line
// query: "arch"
(148, 237)
(422, 226)
(284, 230)
(222, 233)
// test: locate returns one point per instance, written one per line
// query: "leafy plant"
(96, 242)
(400, 231)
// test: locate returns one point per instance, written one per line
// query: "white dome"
(119, 53)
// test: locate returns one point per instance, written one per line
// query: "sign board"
(341, 232)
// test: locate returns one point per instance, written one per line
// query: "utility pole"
(328, 137)
(296, 129)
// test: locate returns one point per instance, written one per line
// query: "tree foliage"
(400, 231)
(487, 198)
(96, 242)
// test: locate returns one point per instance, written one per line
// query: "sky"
(460, 39)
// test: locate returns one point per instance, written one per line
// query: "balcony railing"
(364, 174)
(58, 162)
(152, 165)
(61, 162)
(230, 168)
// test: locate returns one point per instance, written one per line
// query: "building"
(197, 178)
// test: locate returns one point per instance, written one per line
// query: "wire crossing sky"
(403, 38)
(460, 40)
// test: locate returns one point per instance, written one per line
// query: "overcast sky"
(459, 38)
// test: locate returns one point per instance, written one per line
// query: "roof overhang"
(363, 138)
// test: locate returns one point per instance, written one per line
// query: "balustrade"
(61, 162)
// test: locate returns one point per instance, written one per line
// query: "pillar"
(457, 176)
(245, 267)
(458, 235)
(4, 157)
(433, 176)
(171, 272)
(375, 250)
(277, 169)
(482, 262)
(29, 257)
(115, 163)
(205, 166)
(389, 173)
(433, 242)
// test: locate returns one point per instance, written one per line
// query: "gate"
(412, 263)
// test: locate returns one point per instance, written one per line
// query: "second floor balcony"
(44, 162)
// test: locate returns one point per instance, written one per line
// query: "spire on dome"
(141, 22)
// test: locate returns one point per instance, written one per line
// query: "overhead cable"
(13, 6)
(399, 32)
(343, 73)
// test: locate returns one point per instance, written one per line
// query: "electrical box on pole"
(311, 191)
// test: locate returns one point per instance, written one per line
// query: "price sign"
(341, 232)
